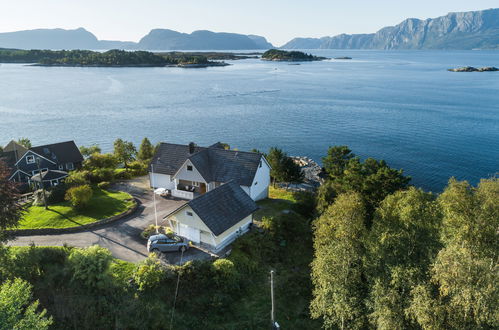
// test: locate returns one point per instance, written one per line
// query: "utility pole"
(275, 325)
(41, 182)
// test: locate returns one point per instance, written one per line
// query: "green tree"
(79, 196)
(466, 270)
(149, 273)
(336, 160)
(90, 267)
(10, 210)
(403, 241)
(99, 161)
(17, 311)
(337, 267)
(88, 151)
(284, 169)
(25, 142)
(146, 150)
(124, 151)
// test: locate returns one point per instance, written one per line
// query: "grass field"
(103, 204)
(278, 201)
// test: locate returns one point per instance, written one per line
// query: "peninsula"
(289, 56)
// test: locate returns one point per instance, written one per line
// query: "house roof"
(9, 158)
(49, 175)
(62, 152)
(223, 207)
(14, 146)
(213, 163)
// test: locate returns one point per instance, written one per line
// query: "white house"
(188, 171)
(216, 218)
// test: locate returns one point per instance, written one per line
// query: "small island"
(343, 58)
(289, 56)
(111, 58)
(473, 69)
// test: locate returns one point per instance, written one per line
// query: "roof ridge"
(51, 144)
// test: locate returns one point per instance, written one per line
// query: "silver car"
(164, 243)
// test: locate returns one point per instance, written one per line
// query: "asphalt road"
(121, 237)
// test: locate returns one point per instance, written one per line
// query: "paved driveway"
(121, 237)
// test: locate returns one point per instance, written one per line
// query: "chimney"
(192, 147)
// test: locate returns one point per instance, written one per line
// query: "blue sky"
(277, 20)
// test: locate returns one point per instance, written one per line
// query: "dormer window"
(189, 213)
(30, 159)
(189, 167)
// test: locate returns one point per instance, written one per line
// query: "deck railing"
(182, 194)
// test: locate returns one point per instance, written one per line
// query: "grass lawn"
(103, 204)
(278, 201)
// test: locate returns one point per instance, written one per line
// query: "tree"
(79, 196)
(337, 267)
(25, 142)
(16, 309)
(336, 160)
(98, 161)
(10, 211)
(466, 269)
(146, 150)
(88, 151)
(149, 273)
(403, 242)
(124, 151)
(284, 169)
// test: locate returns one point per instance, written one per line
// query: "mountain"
(49, 39)
(158, 39)
(468, 30)
(163, 39)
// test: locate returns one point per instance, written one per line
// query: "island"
(111, 58)
(473, 69)
(343, 58)
(289, 56)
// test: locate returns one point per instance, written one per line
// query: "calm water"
(403, 107)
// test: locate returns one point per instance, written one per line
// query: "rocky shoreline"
(313, 175)
(473, 69)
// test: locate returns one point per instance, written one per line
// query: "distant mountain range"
(158, 39)
(469, 30)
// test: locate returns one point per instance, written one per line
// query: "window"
(70, 166)
(54, 183)
(61, 167)
(195, 184)
(256, 183)
(189, 213)
(30, 159)
(189, 167)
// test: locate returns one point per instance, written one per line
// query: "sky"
(277, 20)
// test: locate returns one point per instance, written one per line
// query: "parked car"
(167, 243)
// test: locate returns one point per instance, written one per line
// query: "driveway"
(121, 237)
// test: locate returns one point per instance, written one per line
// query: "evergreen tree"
(146, 150)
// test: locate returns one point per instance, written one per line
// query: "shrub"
(77, 178)
(101, 174)
(123, 175)
(57, 193)
(79, 196)
(103, 185)
(138, 168)
(149, 273)
(90, 267)
(150, 230)
(226, 274)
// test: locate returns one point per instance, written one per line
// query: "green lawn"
(103, 204)
(278, 201)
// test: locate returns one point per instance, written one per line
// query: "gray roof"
(63, 152)
(9, 158)
(223, 207)
(213, 163)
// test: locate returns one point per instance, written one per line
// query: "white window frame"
(61, 167)
(70, 166)
(54, 184)
(195, 184)
(30, 159)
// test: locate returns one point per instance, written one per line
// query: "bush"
(79, 196)
(123, 175)
(57, 193)
(103, 185)
(226, 274)
(90, 267)
(77, 178)
(101, 174)
(149, 231)
(149, 273)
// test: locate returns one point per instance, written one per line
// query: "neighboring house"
(214, 219)
(188, 171)
(56, 159)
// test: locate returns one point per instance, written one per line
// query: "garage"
(192, 234)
